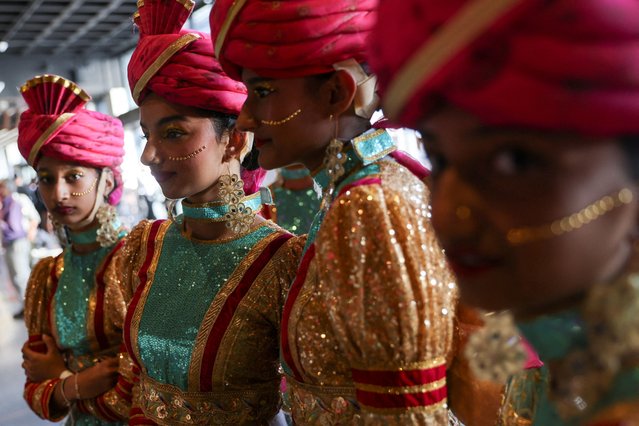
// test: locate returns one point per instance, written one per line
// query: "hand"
(98, 379)
(42, 366)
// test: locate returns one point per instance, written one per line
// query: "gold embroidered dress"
(77, 299)
(368, 322)
(204, 322)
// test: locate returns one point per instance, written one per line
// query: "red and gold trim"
(293, 294)
(161, 60)
(134, 311)
(98, 315)
(421, 386)
(231, 304)
(460, 31)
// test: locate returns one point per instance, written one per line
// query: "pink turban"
(56, 125)
(179, 65)
(290, 38)
(565, 65)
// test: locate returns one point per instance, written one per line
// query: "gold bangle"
(64, 397)
(65, 374)
(75, 385)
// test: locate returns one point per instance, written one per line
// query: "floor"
(13, 410)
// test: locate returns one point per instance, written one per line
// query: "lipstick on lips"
(64, 210)
(260, 142)
(469, 263)
(161, 176)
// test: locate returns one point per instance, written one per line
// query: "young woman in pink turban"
(368, 321)
(74, 310)
(529, 114)
(208, 285)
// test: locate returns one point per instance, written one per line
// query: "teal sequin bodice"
(75, 285)
(295, 209)
(555, 338)
(189, 275)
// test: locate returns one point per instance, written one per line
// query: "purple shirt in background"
(11, 225)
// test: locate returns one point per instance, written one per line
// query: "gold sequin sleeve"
(390, 298)
(126, 264)
(114, 405)
(38, 395)
(131, 257)
(285, 264)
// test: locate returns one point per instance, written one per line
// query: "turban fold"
(290, 38)
(56, 125)
(564, 65)
(179, 65)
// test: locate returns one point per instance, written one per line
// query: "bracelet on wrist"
(64, 396)
(75, 385)
(65, 374)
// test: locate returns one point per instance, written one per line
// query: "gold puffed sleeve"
(38, 395)
(130, 259)
(115, 404)
(390, 297)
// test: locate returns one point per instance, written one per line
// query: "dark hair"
(630, 147)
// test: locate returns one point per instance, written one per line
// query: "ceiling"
(79, 28)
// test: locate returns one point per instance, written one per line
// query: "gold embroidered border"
(58, 264)
(51, 78)
(167, 404)
(139, 309)
(173, 48)
(265, 281)
(234, 10)
(430, 409)
(422, 365)
(296, 313)
(459, 32)
(322, 391)
(90, 325)
(401, 390)
(46, 134)
(195, 368)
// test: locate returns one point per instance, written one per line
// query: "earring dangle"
(239, 217)
(334, 164)
(60, 231)
(108, 232)
(495, 352)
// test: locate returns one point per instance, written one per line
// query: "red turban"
(179, 65)
(56, 125)
(565, 65)
(290, 38)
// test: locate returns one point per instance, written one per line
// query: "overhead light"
(3, 46)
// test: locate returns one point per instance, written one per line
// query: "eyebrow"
(256, 80)
(165, 120)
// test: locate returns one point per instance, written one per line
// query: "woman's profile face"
(489, 180)
(289, 121)
(68, 190)
(182, 148)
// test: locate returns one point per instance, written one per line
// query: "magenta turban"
(564, 65)
(179, 65)
(57, 125)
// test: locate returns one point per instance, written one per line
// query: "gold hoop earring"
(572, 222)
(59, 230)
(283, 121)
(189, 156)
(88, 191)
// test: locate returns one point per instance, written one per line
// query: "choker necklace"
(84, 237)
(216, 211)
